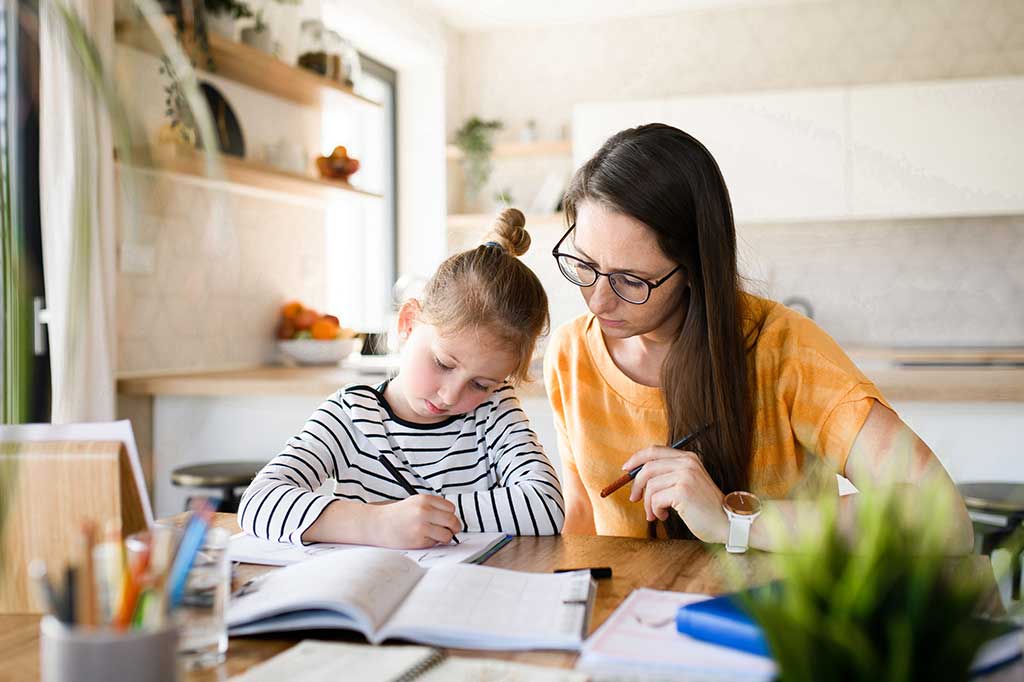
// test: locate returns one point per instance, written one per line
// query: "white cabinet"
(782, 154)
(945, 148)
(942, 148)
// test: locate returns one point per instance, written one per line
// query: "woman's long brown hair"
(669, 181)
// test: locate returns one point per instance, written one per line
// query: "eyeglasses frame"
(650, 285)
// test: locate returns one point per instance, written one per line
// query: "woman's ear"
(408, 317)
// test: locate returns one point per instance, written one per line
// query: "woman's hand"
(416, 522)
(676, 479)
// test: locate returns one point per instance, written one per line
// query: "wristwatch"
(741, 508)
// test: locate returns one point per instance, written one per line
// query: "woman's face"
(614, 242)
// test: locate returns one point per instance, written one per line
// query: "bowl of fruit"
(306, 337)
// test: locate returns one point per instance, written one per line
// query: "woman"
(673, 347)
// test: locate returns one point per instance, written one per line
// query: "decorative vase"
(221, 24)
(261, 40)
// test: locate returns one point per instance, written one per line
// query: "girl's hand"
(416, 522)
(676, 479)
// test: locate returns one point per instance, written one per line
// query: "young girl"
(449, 422)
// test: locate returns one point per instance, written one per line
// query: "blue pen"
(191, 541)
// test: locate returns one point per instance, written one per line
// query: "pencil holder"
(99, 655)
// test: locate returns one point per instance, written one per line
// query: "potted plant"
(258, 35)
(474, 140)
(887, 605)
(221, 15)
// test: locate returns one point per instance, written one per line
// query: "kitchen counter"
(940, 375)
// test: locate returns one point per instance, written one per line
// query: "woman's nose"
(602, 299)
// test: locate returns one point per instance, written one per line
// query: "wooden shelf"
(470, 221)
(251, 174)
(512, 150)
(248, 66)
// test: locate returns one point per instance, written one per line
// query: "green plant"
(885, 606)
(473, 138)
(236, 8)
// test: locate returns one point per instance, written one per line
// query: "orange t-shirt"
(809, 399)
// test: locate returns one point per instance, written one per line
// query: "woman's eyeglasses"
(629, 288)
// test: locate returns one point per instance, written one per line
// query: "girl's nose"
(449, 394)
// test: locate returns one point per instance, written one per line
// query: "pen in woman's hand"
(631, 474)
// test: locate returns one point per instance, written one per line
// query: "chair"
(997, 510)
(227, 477)
(48, 489)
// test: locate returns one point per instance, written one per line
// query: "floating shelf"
(251, 174)
(247, 65)
(472, 221)
(511, 150)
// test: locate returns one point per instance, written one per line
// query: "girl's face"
(446, 375)
(614, 242)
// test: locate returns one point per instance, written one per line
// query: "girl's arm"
(526, 497)
(283, 500)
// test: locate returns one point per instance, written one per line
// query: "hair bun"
(509, 230)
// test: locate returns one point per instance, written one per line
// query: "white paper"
(641, 636)
(248, 549)
(101, 431)
(313, 661)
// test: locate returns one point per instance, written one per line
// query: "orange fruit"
(291, 310)
(286, 329)
(306, 318)
(324, 329)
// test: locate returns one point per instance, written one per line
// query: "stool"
(997, 511)
(225, 476)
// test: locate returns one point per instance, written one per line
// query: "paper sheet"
(640, 636)
(102, 431)
(252, 550)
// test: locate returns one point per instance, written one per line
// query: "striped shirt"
(488, 463)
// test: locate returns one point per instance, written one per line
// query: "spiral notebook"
(314, 661)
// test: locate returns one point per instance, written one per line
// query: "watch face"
(742, 503)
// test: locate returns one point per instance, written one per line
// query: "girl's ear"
(408, 317)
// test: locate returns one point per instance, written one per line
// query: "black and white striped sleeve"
(526, 497)
(283, 500)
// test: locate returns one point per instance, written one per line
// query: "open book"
(385, 595)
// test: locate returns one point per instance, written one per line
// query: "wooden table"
(680, 565)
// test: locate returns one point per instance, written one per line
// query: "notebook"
(639, 641)
(313, 661)
(383, 595)
(723, 621)
(472, 548)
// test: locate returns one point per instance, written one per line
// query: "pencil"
(631, 474)
(400, 480)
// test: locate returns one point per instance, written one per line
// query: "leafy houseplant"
(885, 606)
(474, 139)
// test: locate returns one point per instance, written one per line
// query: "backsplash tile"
(224, 263)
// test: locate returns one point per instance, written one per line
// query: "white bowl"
(318, 352)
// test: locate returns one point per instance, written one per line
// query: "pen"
(47, 595)
(400, 480)
(631, 474)
(596, 572)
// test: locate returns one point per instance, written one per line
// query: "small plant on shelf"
(474, 139)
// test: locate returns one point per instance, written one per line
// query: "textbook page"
(480, 607)
(252, 550)
(365, 585)
(640, 637)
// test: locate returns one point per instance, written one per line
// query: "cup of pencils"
(127, 609)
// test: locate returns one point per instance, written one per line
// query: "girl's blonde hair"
(489, 288)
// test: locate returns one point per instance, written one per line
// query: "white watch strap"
(739, 533)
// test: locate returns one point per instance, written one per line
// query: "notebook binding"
(435, 658)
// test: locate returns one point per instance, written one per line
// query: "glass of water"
(201, 615)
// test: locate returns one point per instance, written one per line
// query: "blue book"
(723, 621)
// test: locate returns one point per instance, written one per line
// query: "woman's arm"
(884, 453)
(579, 513)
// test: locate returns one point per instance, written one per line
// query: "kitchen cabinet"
(904, 150)
(782, 154)
(948, 148)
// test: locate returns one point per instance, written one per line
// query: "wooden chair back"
(47, 490)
